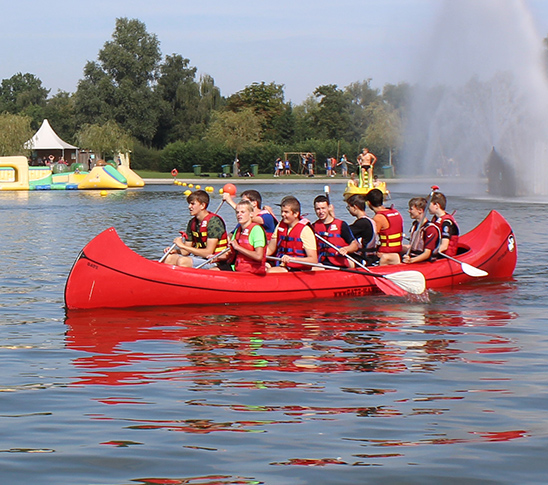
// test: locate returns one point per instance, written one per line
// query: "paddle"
(416, 232)
(230, 189)
(467, 268)
(404, 281)
(213, 258)
(173, 246)
(409, 281)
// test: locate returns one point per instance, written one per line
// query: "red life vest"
(333, 233)
(453, 238)
(417, 245)
(199, 235)
(268, 233)
(242, 262)
(391, 238)
(290, 243)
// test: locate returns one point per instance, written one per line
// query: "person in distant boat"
(446, 223)
(424, 240)
(337, 232)
(389, 227)
(207, 233)
(366, 161)
(261, 215)
(293, 239)
(364, 230)
(248, 243)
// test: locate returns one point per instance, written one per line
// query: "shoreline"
(441, 181)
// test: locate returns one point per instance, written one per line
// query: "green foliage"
(332, 118)
(119, 87)
(106, 139)
(236, 130)
(143, 157)
(15, 131)
(59, 111)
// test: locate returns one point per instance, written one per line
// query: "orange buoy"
(230, 189)
(174, 172)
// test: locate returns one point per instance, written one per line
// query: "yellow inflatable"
(133, 180)
(14, 173)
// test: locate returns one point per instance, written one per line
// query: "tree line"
(157, 106)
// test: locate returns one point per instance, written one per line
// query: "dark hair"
(321, 198)
(199, 195)
(357, 200)
(254, 196)
(375, 197)
(440, 199)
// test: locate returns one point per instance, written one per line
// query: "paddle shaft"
(329, 243)
(467, 268)
(213, 258)
(326, 266)
(173, 246)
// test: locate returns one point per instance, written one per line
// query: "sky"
(301, 44)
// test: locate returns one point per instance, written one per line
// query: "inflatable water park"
(17, 174)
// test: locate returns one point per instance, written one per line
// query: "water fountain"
(482, 91)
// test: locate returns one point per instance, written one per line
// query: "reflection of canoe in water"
(109, 274)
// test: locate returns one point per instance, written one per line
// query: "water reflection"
(305, 338)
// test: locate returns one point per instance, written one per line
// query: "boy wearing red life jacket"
(248, 244)
(293, 239)
(424, 239)
(389, 225)
(446, 223)
(207, 232)
(263, 216)
(337, 232)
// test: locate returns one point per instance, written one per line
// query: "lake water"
(372, 390)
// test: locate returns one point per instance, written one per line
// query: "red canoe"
(108, 274)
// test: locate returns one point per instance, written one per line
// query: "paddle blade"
(409, 281)
(389, 288)
(473, 271)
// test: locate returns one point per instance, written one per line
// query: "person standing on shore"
(344, 165)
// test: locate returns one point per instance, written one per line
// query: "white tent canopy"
(46, 139)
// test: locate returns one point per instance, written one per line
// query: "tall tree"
(119, 86)
(105, 139)
(266, 100)
(360, 95)
(235, 130)
(59, 111)
(332, 117)
(15, 131)
(180, 98)
(24, 94)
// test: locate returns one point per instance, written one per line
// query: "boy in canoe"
(262, 216)
(207, 232)
(248, 243)
(424, 239)
(293, 239)
(446, 223)
(389, 227)
(337, 232)
(364, 231)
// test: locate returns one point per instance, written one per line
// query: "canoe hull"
(107, 274)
